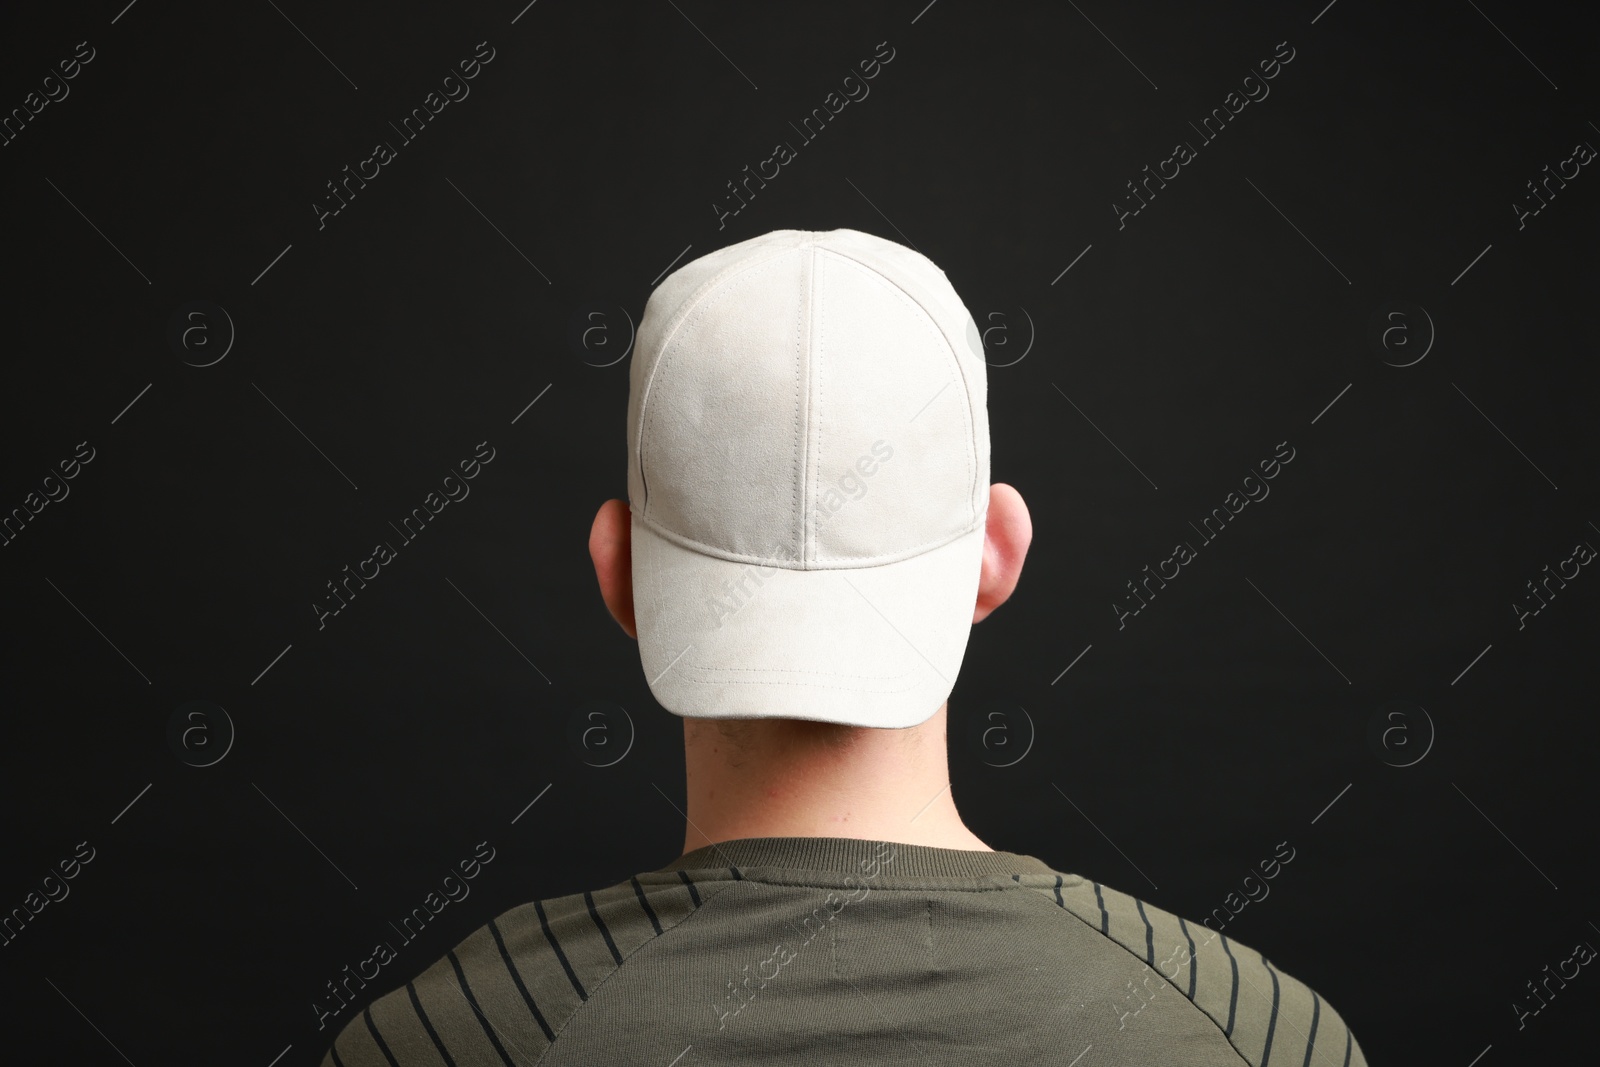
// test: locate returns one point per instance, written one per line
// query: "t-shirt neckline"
(847, 855)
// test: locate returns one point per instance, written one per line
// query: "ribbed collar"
(846, 855)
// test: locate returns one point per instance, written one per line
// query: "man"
(809, 535)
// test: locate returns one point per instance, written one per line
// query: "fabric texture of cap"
(808, 477)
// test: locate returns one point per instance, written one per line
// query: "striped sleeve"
(502, 996)
(1270, 1018)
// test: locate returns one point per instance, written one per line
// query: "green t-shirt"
(835, 951)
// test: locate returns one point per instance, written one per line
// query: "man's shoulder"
(503, 994)
(1263, 1012)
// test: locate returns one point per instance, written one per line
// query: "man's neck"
(787, 778)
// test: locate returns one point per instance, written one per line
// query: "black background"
(1223, 719)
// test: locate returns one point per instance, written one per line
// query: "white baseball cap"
(808, 476)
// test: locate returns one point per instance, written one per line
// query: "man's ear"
(1006, 537)
(611, 549)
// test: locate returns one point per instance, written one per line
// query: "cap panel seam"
(932, 323)
(807, 358)
(799, 439)
(691, 307)
(669, 352)
(972, 423)
(819, 316)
